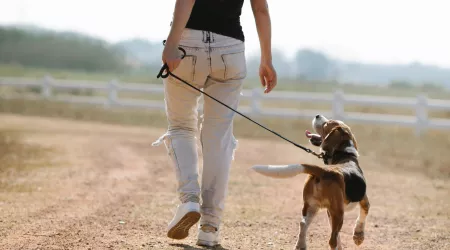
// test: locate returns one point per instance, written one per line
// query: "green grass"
(149, 76)
(83, 112)
(141, 117)
(348, 88)
(136, 117)
(8, 70)
(389, 139)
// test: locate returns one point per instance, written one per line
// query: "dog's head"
(332, 136)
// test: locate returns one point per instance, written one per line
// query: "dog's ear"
(334, 139)
(331, 141)
(348, 132)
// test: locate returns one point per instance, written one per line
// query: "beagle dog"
(337, 187)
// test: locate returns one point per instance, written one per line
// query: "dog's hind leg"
(308, 212)
(337, 219)
(358, 232)
(336, 214)
(339, 243)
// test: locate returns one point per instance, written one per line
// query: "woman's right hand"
(171, 56)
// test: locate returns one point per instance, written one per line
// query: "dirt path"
(107, 188)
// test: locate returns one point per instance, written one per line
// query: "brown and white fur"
(337, 187)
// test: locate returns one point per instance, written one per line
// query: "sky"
(376, 31)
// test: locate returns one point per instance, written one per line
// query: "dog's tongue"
(308, 134)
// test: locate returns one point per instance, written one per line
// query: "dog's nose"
(317, 116)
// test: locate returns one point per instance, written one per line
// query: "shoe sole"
(181, 229)
(204, 243)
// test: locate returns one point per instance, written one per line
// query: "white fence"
(422, 105)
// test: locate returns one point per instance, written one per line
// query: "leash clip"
(320, 156)
(165, 67)
(310, 151)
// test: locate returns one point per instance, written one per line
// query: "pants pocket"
(186, 68)
(235, 66)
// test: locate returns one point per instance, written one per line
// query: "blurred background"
(78, 90)
(378, 44)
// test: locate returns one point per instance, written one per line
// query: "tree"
(58, 50)
(279, 61)
(313, 65)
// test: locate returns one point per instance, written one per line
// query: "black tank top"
(218, 16)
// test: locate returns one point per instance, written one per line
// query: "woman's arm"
(183, 9)
(267, 73)
(263, 25)
(171, 56)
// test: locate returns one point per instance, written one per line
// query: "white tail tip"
(279, 171)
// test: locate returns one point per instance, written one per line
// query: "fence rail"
(422, 105)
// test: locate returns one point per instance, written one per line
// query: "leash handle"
(165, 67)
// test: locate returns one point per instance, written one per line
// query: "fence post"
(256, 102)
(46, 89)
(421, 114)
(112, 93)
(338, 105)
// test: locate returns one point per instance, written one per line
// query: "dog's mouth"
(317, 124)
(314, 139)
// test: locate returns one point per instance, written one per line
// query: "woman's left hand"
(268, 76)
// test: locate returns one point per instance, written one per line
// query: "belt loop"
(208, 37)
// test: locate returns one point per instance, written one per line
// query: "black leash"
(166, 69)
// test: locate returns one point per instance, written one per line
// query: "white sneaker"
(208, 236)
(186, 216)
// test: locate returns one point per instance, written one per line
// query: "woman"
(211, 34)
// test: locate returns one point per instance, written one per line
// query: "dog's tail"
(287, 171)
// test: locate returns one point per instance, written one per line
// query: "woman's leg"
(181, 138)
(228, 69)
(218, 145)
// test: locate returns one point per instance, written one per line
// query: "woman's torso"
(218, 16)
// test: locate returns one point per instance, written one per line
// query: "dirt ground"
(105, 187)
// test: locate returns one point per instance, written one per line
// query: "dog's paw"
(300, 246)
(358, 237)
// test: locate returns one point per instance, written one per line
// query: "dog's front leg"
(308, 212)
(358, 232)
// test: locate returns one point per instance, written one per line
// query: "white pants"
(216, 64)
